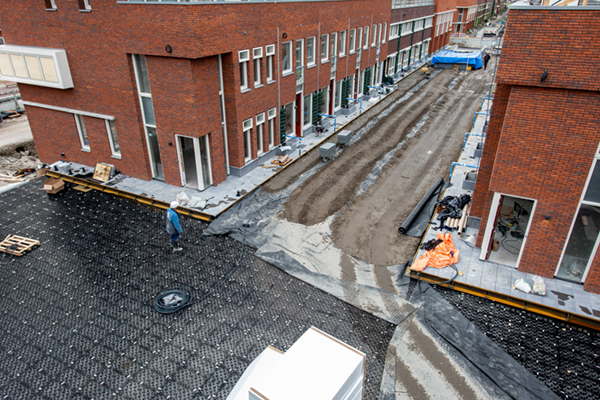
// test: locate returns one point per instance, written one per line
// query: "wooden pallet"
(282, 160)
(17, 245)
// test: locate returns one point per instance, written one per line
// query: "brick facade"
(542, 137)
(184, 82)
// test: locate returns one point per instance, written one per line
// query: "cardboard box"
(507, 212)
(54, 185)
(495, 245)
(42, 171)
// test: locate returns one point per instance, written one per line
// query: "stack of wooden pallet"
(459, 224)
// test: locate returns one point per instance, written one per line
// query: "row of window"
(444, 21)
(466, 15)
(110, 129)
(334, 47)
(84, 5)
(411, 3)
(262, 143)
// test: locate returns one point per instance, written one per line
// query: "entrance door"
(507, 235)
(194, 162)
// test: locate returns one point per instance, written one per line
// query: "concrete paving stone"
(474, 272)
(503, 280)
(488, 276)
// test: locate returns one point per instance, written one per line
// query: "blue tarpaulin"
(452, 57)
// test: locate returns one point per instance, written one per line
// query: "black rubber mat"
(77, 318)
(563, 356)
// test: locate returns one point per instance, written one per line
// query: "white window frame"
(334, 44)
(257, 55)
(342, 44)
(299, 60)
(309, 111)
(384, 32)
(247, 128)
(260, 131)
(391, 62)
(366, 38)
(87, 5)
(82, 132)
(325, 41)
(244, 58)
(291, 50)
(308, 53)
(379, 34)
(374, 36)
(270, 51)
(271, 115)
(352, 40)
(53, 5)
(394, 27)
(428, 22)
(406, 28)
(116, 153)
(582, 201)
(359, 36)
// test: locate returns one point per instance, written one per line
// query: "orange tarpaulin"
(444, 255)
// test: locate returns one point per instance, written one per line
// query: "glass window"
(259, 138)
(5, 68)
(310, 51)
(142, 74)
(306, 110)
(360, 38)
(592, 193)
(286, 56)
(352, 40)
(374, 35)
(148, 111)
(581, 244)
(342, 43)
(112, 138)
(83, 136)
(49, 69)
(299, 51)
(33, 67)
(384, 32)
(333, 45)
(366, 38)
(324, 47)
(18, 65)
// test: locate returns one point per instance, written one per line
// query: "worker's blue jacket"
(173, 226)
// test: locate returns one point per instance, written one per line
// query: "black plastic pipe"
(417, 210)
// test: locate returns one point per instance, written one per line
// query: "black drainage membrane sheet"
(78, 320)
(564, 357)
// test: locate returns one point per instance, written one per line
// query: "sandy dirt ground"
(430, 124)
(17, 150)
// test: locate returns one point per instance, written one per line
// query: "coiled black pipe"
(417, 210)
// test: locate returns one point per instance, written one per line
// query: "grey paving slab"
(475, 272)
(78, 320)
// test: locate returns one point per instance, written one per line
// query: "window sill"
(246, 90)
(86, 150)
(342, 55)
(271, 81)
(287, 73)
(324, 61)
(51, 9)
(85, 10)
(352, 51)
(311, 65)
(116, 156)
(366, 48)
(258, 86)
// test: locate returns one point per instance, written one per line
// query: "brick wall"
(542, 136)
(184, 82)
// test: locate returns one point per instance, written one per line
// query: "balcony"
(35, 66)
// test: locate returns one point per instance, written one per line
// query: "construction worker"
(173, 226)
(486, 59)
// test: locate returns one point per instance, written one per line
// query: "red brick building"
(187, 91)
(542, 147)
(445, 13)
(466, 12)
(410, 35)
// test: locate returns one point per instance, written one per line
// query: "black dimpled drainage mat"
(77, 318)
